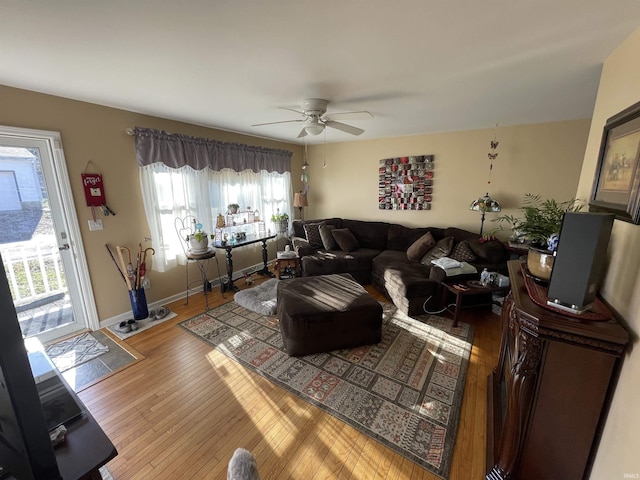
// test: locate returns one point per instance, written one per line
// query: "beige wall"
(541, 158)
(96, 133)
(619, 447)
(347, 186)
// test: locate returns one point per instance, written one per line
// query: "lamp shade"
(300, 200)
(485, 204)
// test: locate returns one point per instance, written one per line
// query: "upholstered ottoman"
(327, 312)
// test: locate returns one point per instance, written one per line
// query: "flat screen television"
(25, 447)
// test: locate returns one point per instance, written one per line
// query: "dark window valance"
(176, 151)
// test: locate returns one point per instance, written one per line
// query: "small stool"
(326, 312)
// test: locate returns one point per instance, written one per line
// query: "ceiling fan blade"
(273, 123)
(359, 115)
(303, 133)
(292, 110)
(343, 127)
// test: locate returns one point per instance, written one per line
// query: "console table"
(549, 391)
(87, 447)
(229, 246)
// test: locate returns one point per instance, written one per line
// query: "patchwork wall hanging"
(405, 183)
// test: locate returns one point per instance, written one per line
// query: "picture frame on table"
(616, 186)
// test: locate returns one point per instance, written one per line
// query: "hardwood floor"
(182, 411)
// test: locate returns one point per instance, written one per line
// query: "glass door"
(40, 242)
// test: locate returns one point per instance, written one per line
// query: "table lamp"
(483, 205)
(300, 201)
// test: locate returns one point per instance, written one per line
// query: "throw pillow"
(345, 239)
(441, 249)
(312, 231)
(420, 247)
(328, 241)
(463, 253)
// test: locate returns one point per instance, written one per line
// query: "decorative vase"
(282, 226)
(540, 263)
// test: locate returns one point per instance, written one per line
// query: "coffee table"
(468, 288)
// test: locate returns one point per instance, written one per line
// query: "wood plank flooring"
(182, 411)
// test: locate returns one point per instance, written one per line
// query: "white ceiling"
(418, 66)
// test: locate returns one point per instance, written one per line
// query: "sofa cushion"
(369, 234)
(312, 232)
(328, 242)
(298, 225)
(400, 238)
(345, 239)
(487, 251)
(357, 263)
(462, 252)
(441, 249)
(400, 277)
(491, 251)
(420, 247)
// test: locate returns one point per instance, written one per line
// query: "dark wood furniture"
(549, 392)
(229, 246)
(288, 267)
(87, 447)
(467, 289)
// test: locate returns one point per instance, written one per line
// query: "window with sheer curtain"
(182, 176)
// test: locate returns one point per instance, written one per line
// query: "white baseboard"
(215, 283)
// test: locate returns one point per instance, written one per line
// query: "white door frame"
(74, 238)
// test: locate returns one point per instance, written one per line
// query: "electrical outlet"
(95, 225)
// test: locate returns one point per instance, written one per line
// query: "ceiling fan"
(315, 118)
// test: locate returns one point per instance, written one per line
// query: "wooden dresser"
(549, 392)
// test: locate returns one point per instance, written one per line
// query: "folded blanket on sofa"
(446, 263)
(464, 269)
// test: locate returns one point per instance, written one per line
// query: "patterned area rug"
(405, 392)
(75, 351)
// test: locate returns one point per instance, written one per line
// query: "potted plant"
(233, 208)
(539, 227)
(198, 241)
(281, 220)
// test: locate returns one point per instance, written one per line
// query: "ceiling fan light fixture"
(314, 128)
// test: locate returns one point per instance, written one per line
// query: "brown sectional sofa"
(380, 258)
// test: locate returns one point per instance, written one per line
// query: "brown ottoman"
(327, 312)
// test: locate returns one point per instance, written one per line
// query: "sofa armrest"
(302, 247)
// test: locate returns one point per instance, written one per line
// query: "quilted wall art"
(405, 183)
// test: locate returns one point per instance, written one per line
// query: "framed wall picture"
(616, 184)
(405, 183)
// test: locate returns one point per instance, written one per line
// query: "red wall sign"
(93, 189)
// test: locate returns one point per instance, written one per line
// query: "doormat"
(143, 325)
(105, 473)
(405, 392)
(75, 351)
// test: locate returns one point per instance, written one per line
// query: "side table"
(288, 267)
(467, 289)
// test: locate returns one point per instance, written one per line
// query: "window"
(172, 188)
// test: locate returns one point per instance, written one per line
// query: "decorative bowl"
(540, 263)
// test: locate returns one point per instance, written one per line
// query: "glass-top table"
(230, 245)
